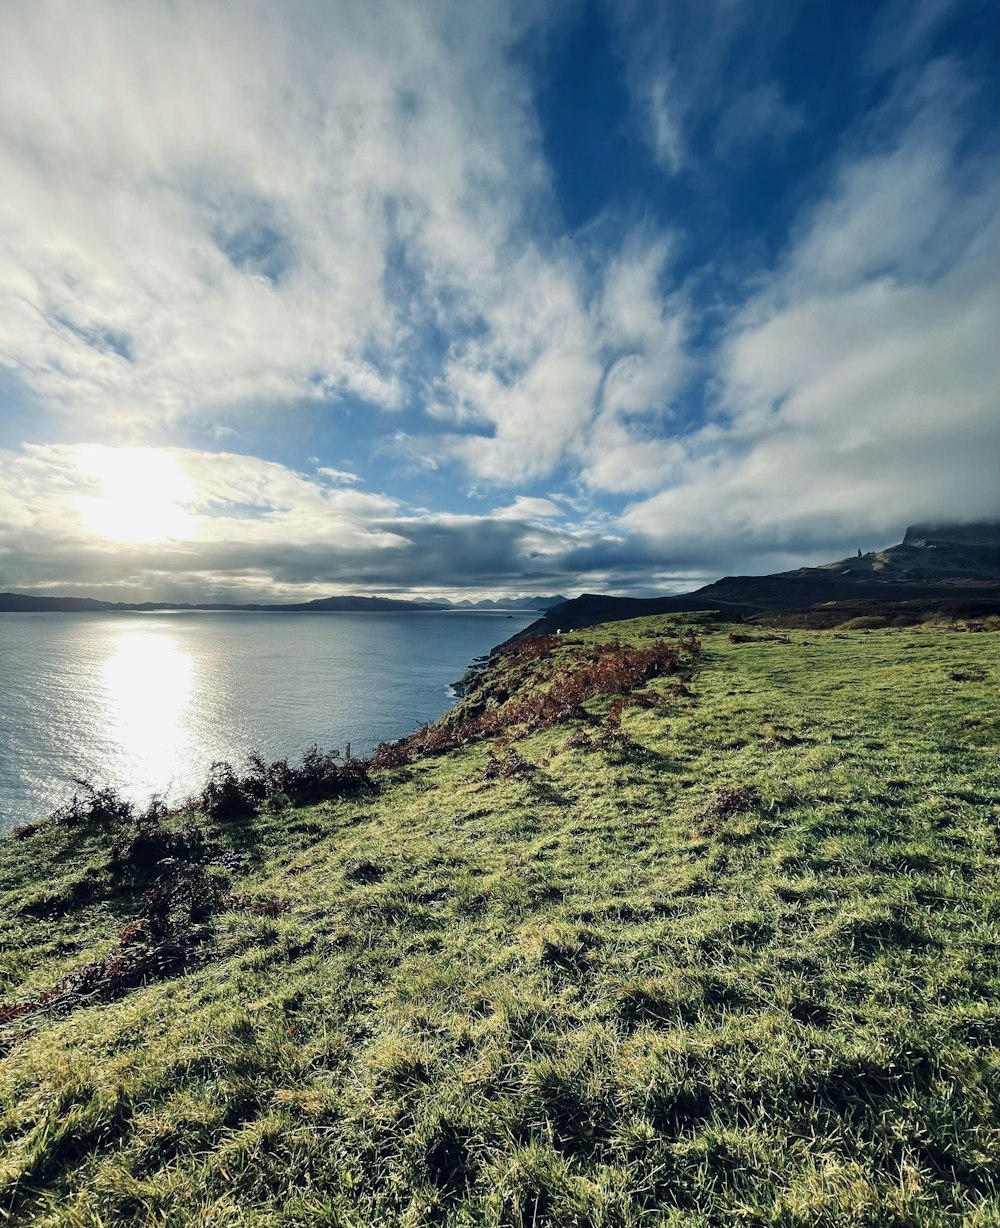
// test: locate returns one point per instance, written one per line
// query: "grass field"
(729, 955)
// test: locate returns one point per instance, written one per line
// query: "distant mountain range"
(932, 564)
(516, 603)
(27, 603)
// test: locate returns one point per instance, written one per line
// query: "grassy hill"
(941, 568)
(664, 925)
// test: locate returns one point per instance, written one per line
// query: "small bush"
(390, 755)
(361, 870)
(224, 797)
(143, 841)
(564, 946)
(261, 905)
(726, 805)
(228, 795)
(24, 830)
(535, 648)
(508, 765)
(92, 807)
(183, 896)
(737, 637)
(612, 738)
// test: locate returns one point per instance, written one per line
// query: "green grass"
(739, 964)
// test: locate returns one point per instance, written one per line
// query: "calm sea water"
(147, 702)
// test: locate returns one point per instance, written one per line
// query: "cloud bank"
(215, 222)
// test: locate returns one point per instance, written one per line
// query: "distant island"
(27, 603)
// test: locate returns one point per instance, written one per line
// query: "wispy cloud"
(761, 115)
(694, 65)
(203, 208)
(859, 379)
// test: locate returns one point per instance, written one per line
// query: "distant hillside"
(948, 553)
(511, 603)
(932, 563)
(358, 605)
(26, 603)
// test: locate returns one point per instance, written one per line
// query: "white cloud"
(207, 210)
(859, 382)
(337, 475)
(531, 376)
(904, 27)
(564, 364)
(664, 120)
(175, 524)
(201, 206)
(225, 497)
(692, 63)
(526, 508)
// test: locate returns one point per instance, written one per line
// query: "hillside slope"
(931, 564)
(719, 950)
(933, 553)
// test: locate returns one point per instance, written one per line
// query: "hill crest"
(931, 563)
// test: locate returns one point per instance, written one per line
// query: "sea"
(147, 702)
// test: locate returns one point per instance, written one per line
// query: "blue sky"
(467, 299)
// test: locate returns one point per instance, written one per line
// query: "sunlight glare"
(143, 492)
(147, 690)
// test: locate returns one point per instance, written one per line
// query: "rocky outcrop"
(951, 553)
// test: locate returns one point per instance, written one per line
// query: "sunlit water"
(147, 702)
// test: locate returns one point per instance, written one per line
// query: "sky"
(531, 296)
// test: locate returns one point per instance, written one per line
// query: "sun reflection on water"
(148, 683)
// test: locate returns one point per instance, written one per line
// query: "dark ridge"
(933, 564)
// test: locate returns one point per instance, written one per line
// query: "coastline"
(158, 698)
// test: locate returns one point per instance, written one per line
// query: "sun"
(142, 494)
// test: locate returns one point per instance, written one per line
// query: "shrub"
(223, 797)
(144, 841)
(726, 805)
(24, 830)
(93, 807)
(391, 754)
(507, 765)
(228, 795)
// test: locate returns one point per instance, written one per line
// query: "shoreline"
(142, 672)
